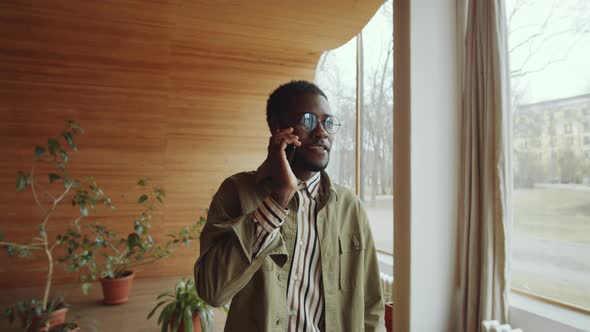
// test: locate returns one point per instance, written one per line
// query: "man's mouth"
(317, 147)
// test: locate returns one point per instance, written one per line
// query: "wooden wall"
(171, 90)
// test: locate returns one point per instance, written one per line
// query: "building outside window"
(549, 48)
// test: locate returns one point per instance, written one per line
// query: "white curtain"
(484, 211)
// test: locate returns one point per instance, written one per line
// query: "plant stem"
(35, 191)
(45, 237)
(49, 277)
(27, 246)
(107, 242)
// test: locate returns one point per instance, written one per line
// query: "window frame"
(359, 123)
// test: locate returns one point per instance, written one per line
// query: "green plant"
(100, 252)
(27, 311)
(66, 327)
(179, 307)
(89, 245)
(55, 155)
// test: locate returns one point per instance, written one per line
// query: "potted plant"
(183, 310)
(63, 327)
(102, 255)
(48, 199)
(72, 325)
(33, 316)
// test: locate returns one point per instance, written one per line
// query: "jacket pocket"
(351, 260)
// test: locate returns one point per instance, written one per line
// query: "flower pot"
(117, 290)
(59, 327)
(388, 316)
(196, 323)
(53, 318)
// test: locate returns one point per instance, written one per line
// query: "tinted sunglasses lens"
(332, 124)
(329, 124)
(308, 122)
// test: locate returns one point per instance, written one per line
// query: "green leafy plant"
(179, 306)
(32, 312)
(56, 155)
(100, 252)
(89, 245)
(66, 327)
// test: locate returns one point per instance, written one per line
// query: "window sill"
(531, 314)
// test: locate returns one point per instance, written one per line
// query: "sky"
(564, 41)
(561, 49)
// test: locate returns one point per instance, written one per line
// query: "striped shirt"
(305, 299)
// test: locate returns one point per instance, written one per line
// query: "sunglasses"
(309, 122)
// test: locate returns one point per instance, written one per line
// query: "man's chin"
(315, 165)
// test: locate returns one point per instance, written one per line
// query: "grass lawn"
(551, 243)
(553, 214)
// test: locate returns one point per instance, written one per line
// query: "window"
(551, 235)
(371, 53)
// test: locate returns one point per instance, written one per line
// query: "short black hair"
(279, 100)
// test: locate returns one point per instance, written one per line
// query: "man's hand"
(283, 180)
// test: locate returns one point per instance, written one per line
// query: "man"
(290, 249)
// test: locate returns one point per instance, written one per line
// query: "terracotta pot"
(55, 318)
(196, 323)
(76, 329)
(388, 316)
(117, 290)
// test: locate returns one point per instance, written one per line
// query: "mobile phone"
(290, 152)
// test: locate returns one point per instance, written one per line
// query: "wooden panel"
(171, 90)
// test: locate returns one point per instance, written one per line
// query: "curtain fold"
(485, 178)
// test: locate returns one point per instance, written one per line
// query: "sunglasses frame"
(337, 124)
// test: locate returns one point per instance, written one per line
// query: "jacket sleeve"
(228, 256)
(374, 305)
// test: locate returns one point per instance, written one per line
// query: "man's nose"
(320, 131)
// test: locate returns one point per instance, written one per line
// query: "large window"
(368, 96)
(549, 45)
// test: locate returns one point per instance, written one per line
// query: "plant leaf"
(188, 320)
(86, 287)
(53, 146)
(53, 177)
(142, 198)
(64, 155)
(133, 240)
(74, 125)
(69, 139)
(21, 181)
(39, 151)
(84, 209)
(155, 308)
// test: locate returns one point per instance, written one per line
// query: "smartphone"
(290, 152)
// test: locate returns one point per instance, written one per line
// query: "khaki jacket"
(257, 288)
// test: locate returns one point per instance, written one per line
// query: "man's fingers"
(284, 139)
(276, 139)
(283, 131)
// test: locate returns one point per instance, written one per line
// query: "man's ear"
(274, 125)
